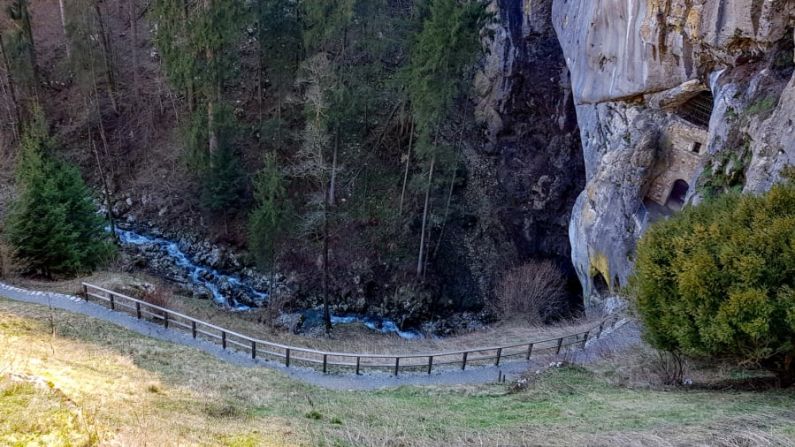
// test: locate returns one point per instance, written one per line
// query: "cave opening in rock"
(698, 109)
(600, 285)
(676, 199)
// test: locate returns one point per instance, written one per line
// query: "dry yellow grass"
(103, 385)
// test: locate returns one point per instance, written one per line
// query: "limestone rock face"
(676, 100)
(526, 169)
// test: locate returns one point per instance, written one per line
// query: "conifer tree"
(446, 46)
(53, 225)
(222, 178)
(267, 223)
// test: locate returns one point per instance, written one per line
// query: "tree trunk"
(191, 94)
(446, 213)
(406, 173)
(260, 67)
(107, 57)
(131, 9)
(333, 184)
(326, 312)
(214, 94)
(65, 33)
(11, 87)
(105, 187)
(420, 264)
(28, 27)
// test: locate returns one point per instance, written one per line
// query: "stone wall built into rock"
(650, 78)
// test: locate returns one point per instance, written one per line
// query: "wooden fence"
(328, 360)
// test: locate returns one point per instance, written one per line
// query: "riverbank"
(345, 337)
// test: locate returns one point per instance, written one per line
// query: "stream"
(225, 287)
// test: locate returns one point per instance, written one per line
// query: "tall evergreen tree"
(222, 178)
(53, 225)
(267, 223)
(446, 47)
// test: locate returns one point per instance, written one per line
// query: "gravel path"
(625, 335)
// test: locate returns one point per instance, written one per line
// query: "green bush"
(718, 281)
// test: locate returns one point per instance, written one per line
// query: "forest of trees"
(335, 125)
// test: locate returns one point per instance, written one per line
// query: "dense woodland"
(319, 136)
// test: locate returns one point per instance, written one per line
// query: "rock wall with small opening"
(671, 93)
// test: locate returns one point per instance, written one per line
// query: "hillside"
(90, 383)
(501, 195)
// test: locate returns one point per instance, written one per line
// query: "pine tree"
(447, 45)
(53, 225)
(267, 223)
(222, 183)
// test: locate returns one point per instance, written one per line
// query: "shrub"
(718, 280)
(533, 291)
(156, 296)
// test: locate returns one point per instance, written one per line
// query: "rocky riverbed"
(204, 271)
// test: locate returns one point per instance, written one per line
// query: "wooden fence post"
(397, 365)
(529, 351)
(287, 358)
(165, 320)
(358, 364)
(430, 363)
(560, 344)
(325, 363)
(253, 349)
(112, 302)
(223, 339)
(585, 339)
(464, 362)
(193, 328)
(138, 309)
(85, 291)
(499, 354)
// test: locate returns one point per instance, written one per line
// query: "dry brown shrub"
(533, 291)
(156, 296)
(277, 303)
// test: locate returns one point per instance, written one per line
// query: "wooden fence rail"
(323, 360)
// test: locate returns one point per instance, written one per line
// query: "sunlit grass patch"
(37, 414)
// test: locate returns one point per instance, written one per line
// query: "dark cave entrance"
(676, 199)
(600, 285)
(698, 109)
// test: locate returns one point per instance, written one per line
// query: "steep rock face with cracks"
(676, 100)
(524, 172)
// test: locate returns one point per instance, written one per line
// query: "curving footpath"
(622, 336)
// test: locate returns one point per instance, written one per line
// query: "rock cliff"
(526, 169)
(676, 100)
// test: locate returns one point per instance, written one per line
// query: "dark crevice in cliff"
(530, 171)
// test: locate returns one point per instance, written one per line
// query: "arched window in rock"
(676, 199)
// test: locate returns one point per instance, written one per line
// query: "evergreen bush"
(718, 281)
